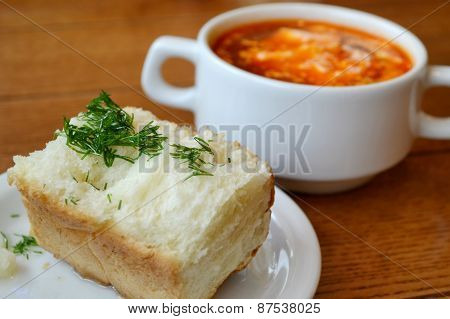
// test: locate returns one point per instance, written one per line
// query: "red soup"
(311, 52)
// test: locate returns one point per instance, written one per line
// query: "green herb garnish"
(14, 215)
(106, 126)
(109, 197)
(71, 199)
(94, 186)
(192, 156)
(105, 186)
(86, 180)
(23, 246)
(120, 205)
(5, 240)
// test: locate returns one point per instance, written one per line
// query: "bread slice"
(143, 227)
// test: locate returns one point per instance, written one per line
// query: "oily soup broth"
(310, 52)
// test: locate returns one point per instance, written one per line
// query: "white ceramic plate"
(287, 265)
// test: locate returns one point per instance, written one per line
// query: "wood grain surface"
(388, 239)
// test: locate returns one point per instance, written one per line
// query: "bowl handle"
(432, 126)
(152, 80)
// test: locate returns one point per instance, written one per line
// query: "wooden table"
(390, 238)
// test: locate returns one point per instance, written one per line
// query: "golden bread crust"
(101, 254)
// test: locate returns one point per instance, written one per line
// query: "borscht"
(310, 52)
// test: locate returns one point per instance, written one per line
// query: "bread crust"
(101, 253)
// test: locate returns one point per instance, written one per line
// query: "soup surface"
(311, 52)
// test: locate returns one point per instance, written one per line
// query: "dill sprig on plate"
(105, 126)
(23, 247)
(192, 156)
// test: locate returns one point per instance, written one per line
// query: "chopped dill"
(73, 177)
(23, 246)
(94, 186)
(14, 215)
(192, 156)
(5, 240)
(86, 180)
(229, 160)
(105, 126)
(105, 186)
(109, 197)
(120, 205)
(72, 200)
